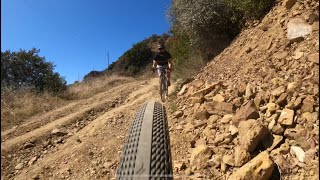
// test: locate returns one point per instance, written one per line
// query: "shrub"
(208, 21)
(28, 70)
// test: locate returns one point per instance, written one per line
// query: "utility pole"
(108, 59)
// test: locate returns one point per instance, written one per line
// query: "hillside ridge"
(257, 101)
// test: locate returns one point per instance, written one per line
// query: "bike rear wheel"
(146, 153)
(163, 88)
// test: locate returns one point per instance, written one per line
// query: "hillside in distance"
(135, 60)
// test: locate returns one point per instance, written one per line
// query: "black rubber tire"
(146, 153)
(163, 88)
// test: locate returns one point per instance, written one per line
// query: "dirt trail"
(88, 139)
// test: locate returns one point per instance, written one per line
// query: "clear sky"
(77, 34)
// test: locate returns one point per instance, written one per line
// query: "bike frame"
(163, 83)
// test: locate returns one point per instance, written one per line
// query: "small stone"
(36, 177)
(282, 163)
(307, 105)
(59, 132)
(271, 108)
(28, 145)
(233, 130)
(315, 26)
(226, 118)
(178, 114)
(297, 55)
(183, 90)
(34, 159)
(277, 129)
(200, 153)
(271, 124)
(219, 107)
(215, 160)
(278, 91)
(297, 103)
(291, 87)
(212, 119)
(248, 49)
(291, 133)
(282, 100)
(272, 141)
(257, 101)
(241, 156)
(247, 111)
(201, 114)
(188, 127)
(298, 151)
(286, 117)
(179, 127)
(289, 3)
(281, 55)
(107, 164)
(218, 98)
(19, 166)
(228, 159)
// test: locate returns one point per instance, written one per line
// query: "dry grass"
(93, 86)
(17, 106)
(20, 105)
(188, 68)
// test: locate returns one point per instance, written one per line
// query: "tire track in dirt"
(40, 140)
(42, 119)
(105, 130)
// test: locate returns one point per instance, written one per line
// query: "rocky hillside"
(253, 112)
(133, 61)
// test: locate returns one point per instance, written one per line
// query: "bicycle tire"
(162, 88)
(146, 153)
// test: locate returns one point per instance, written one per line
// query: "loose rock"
(260, 167)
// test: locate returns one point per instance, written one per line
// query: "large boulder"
(259, 168)
(246, 111)
(297, 29)
(251, 133)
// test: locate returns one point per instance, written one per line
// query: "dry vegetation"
(18, 106)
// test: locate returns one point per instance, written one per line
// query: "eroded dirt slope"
(82, 140)
(253, 111)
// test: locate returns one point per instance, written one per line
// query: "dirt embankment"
(253, 112)
(82, 140)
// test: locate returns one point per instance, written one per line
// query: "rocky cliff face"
(255, 108)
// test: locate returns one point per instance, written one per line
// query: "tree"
(26, 69)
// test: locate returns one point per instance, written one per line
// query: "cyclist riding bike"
(162, 58)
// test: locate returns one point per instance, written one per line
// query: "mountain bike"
(163, 82)
(146, 153)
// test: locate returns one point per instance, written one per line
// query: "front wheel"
(146, 153)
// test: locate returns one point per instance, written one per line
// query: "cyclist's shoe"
(168, 83)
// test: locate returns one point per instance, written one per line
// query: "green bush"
(252, 9)
(26, 69)
(209, 22)
(137, 57)
(135, 60)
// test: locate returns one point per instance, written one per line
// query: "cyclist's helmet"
(160, 46)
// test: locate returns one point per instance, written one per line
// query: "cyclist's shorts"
(158, 68)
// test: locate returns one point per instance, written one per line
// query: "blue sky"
(77, 34)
